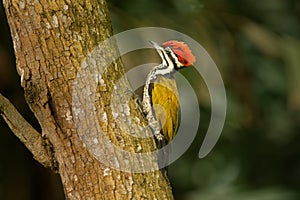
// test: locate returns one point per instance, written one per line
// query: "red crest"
(182, 51)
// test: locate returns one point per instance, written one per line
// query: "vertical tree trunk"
(51, 40)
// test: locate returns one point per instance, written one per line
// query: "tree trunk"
(51, 41)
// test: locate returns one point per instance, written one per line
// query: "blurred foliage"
(256, 46)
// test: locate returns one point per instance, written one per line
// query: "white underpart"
(166, 67)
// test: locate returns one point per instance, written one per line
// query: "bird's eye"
(168, 49)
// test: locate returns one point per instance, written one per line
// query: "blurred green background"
(256, 46)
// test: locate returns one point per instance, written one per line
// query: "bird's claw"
(159, 136)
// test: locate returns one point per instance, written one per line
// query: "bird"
(160, 102)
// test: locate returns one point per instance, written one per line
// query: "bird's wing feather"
(165, 105)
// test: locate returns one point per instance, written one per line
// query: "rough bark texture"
(51, 40)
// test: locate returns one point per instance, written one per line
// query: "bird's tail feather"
(163, 156)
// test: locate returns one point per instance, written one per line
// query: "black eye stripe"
(172, 59)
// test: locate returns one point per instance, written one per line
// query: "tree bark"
(51, 41)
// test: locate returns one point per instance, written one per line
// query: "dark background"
(256, 46)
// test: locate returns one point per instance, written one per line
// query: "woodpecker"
(160, 96)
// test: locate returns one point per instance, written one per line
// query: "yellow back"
(165, 104)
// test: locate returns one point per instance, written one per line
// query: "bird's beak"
(156, 46)
(160, 50)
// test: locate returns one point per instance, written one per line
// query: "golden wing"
(165, 104)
